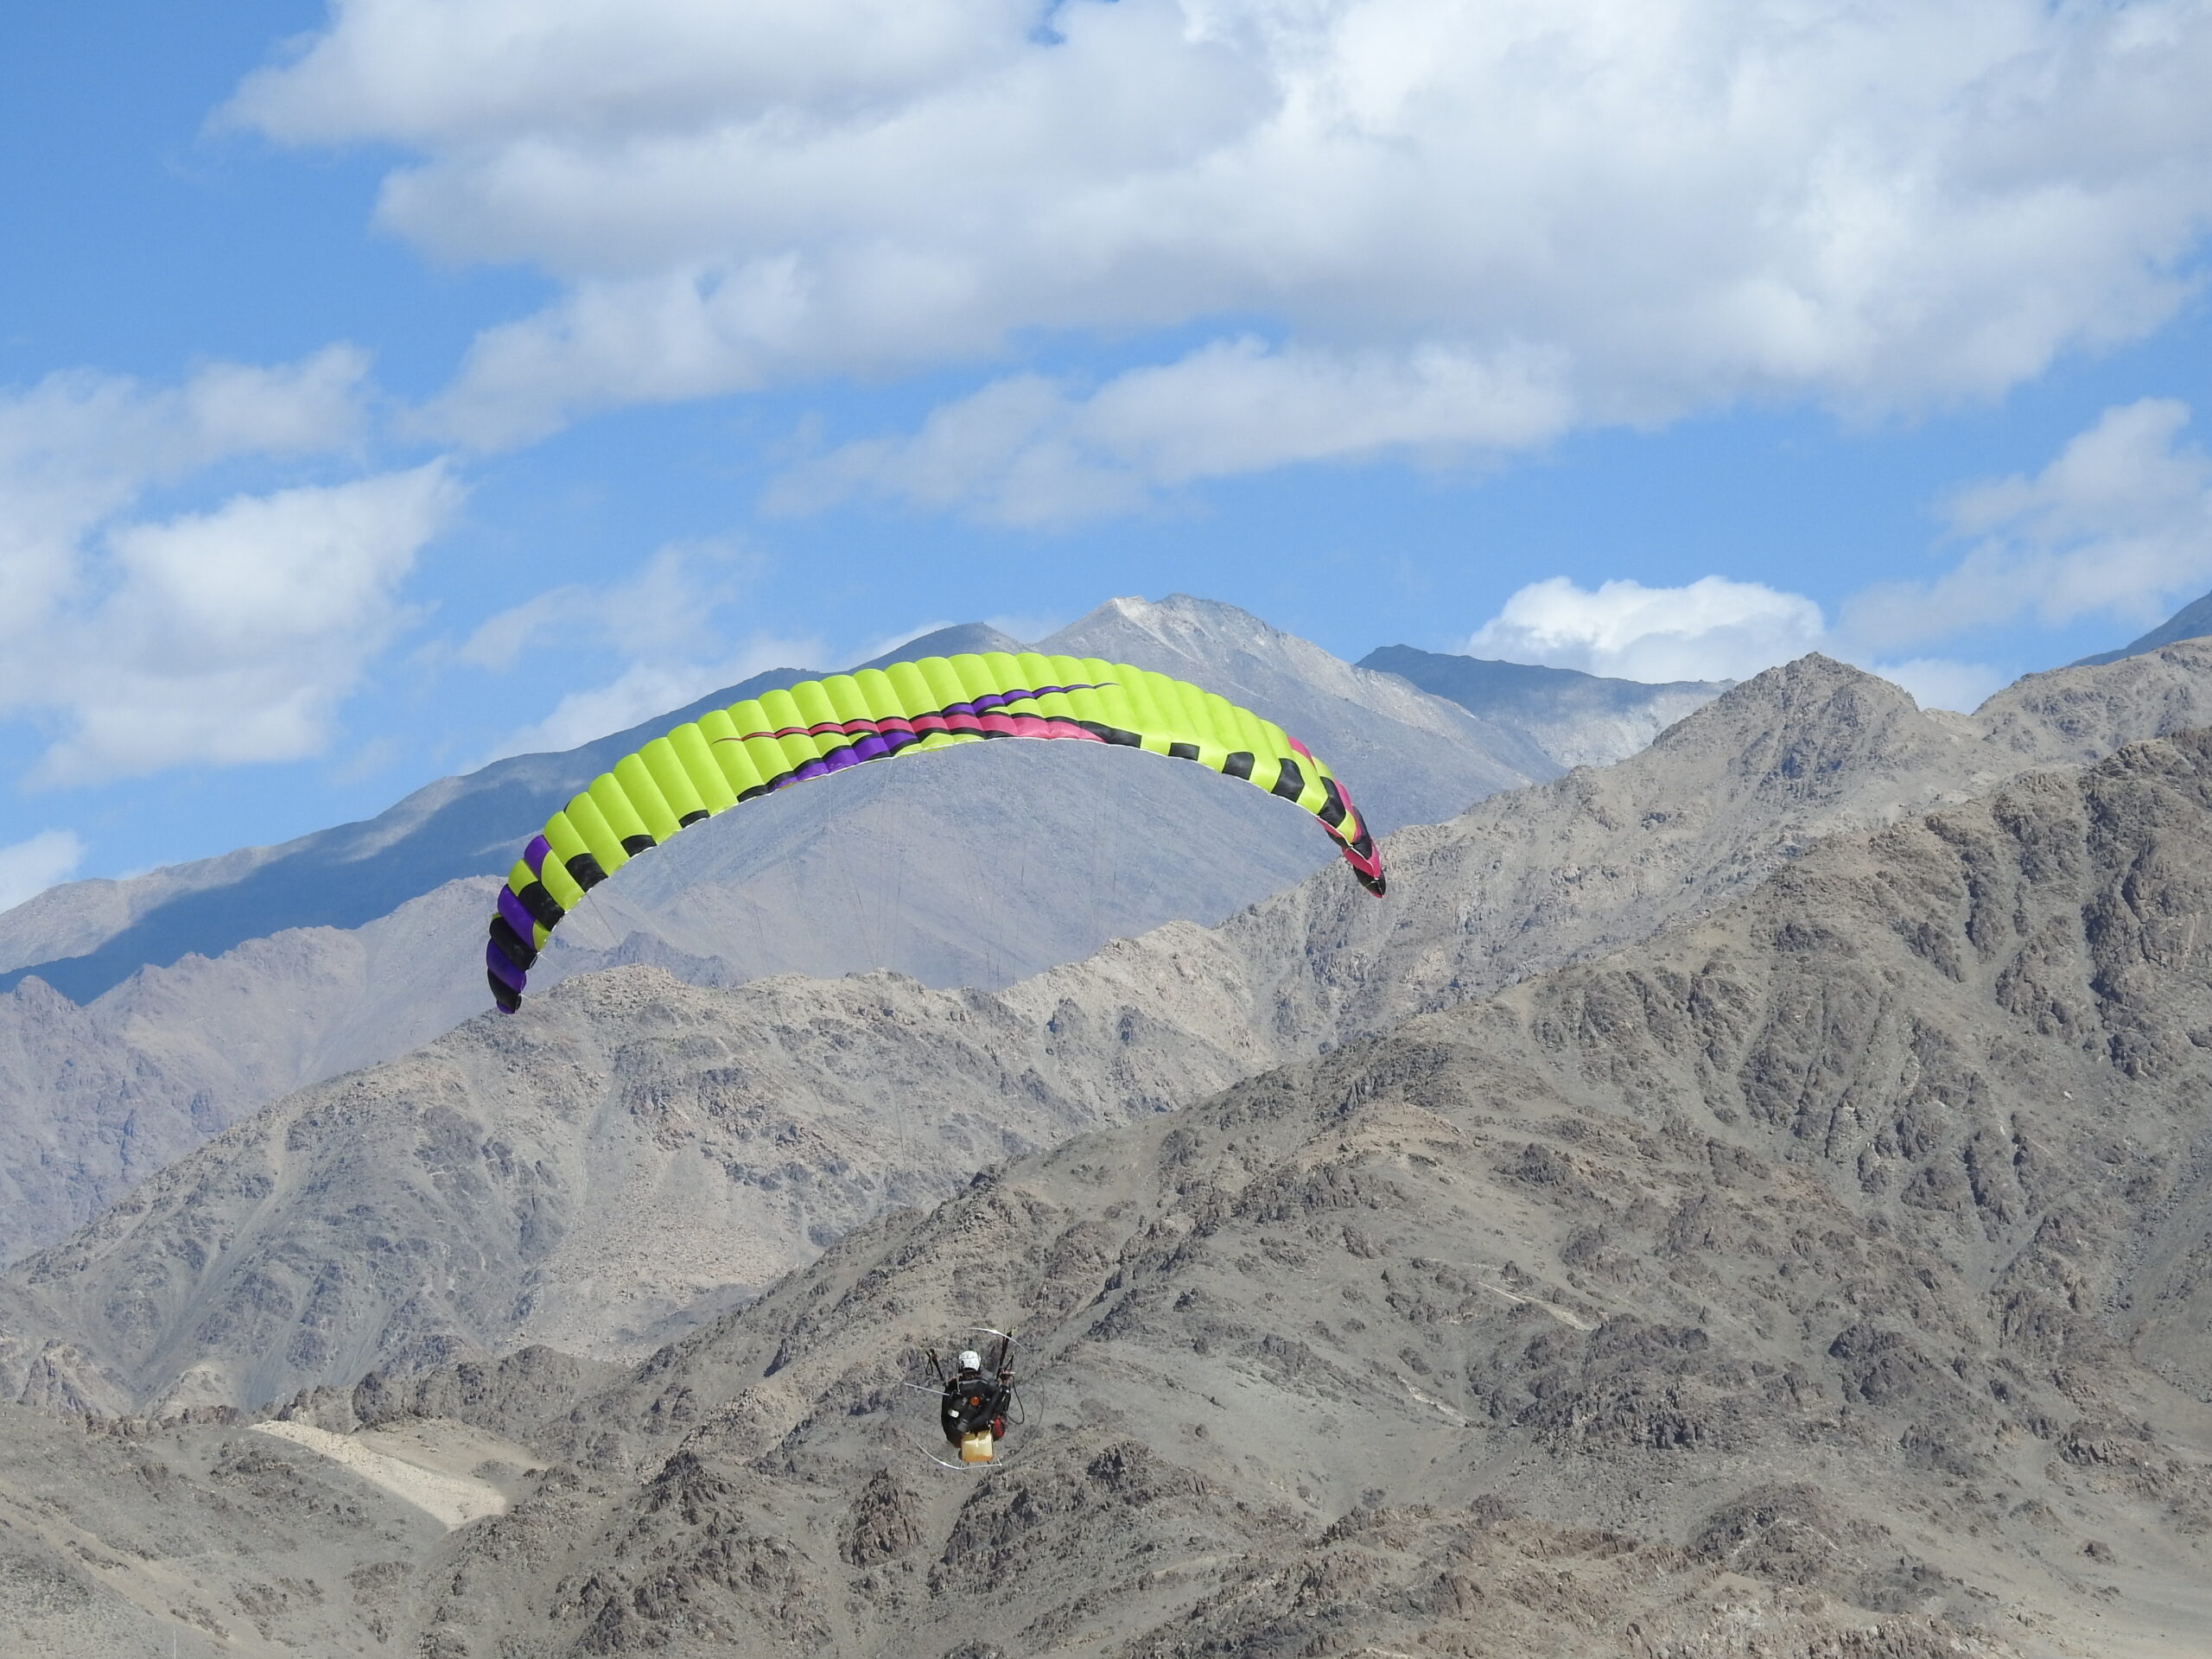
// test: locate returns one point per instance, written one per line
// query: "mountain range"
(1745, 1199)
(1815, 1277)
(170, 1006)
(1578, 720)
(630, 1156)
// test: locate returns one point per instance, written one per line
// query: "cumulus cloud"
(1710, 629)
(230, 636)
(1871, 203)
(219, 636)
(1025, 450)
(29, 867)
(2119, 523)
(78, 447)
(444, 73)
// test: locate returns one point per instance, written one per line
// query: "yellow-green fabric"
(820, 726)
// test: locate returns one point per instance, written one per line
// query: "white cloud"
(228, 637)
(2119, 523)
(29, 867)
(1871, 203)
(78, 447)
(1710, 629)
(669, 605)
(446, 74)
(667, 620)
(219, 636)
(1025, 450)
(645, 688)
(304, 408)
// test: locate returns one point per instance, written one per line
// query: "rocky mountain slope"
(215, 1537)
(94, 1099)
(456, 1201)
(1832, 1242)
(1817, 1278)
(1578, 720)
(979, 866)
(1602, 858)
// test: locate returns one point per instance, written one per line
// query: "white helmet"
(970, 1360)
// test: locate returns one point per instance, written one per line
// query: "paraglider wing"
(820, 726)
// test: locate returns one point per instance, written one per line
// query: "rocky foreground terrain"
(630, 1157)
(1821, 1277)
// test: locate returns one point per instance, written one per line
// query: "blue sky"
(387, 386)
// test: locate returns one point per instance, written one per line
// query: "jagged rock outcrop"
(619, 1160)
(2080, 715)
(208, 1536)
